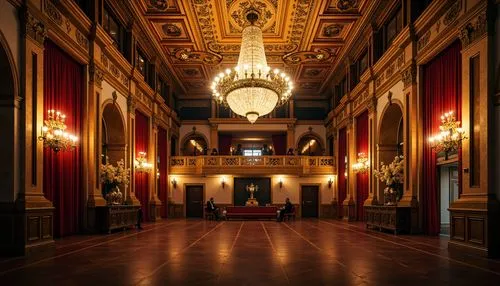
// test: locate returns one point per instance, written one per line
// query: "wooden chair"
(209, 215)
(290, 215)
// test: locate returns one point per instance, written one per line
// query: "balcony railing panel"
(299, 165)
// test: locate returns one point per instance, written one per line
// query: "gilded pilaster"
(154, 201)
(349, 203)
(131, 198)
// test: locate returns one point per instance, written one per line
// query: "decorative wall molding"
(423, 40)
(452, 13)
(114, 70)
(473, 30)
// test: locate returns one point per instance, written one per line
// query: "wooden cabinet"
(109, 218)
(394, 218)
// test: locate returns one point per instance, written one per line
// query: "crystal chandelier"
(450, 136)
(54, 135)
(251, 89)
(141, 164)
(362, 165)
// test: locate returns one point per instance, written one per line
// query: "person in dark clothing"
(214, 152)
(211, 207)
(139, 218)
(285, 209)
(290, 152)
(239, 150)
(265, 150)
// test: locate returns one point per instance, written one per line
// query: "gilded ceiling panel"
(203, 37)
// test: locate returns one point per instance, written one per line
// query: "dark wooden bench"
(242, 212)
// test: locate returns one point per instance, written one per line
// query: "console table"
(109, 218)
(394, 218)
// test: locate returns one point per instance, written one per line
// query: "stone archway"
(194, 144)
(390, 137)
(113, 133)
(304, 147)
(9, 125)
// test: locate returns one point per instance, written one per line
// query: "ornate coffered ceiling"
(202, 37)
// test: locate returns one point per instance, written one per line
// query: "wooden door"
(194, 201)
(310, 201)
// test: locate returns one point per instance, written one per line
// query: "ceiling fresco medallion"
(161, 5)
(171, 30)
(238, 9)
(344, 5)
(332, 30)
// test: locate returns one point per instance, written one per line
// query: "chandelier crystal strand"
(252, 89)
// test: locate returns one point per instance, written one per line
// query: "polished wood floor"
(195, 252)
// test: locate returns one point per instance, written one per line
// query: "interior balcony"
(248, 165)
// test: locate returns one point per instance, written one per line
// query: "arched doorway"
(113, 139)
(310, 145)
(194, 144)
(8, 115)
(390, 143)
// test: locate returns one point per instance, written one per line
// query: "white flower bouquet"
(393, 176)
(113, 176)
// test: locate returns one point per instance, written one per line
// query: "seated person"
(214, 152)
(285, 210)
(211, 207)
(290, 152)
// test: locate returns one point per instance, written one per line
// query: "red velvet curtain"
(141, 145)
(225, 144)
(62, 176)
(362, 178)
(279, 144)
(342, 180)
(163, 166)
(442, 93)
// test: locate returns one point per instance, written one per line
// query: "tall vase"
(114, 196)
(390, 195)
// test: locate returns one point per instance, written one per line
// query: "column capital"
(214, 126)
(96, 74)
(409, 75)
(473, 30)
(371, 105)
(130, 104)
(32, 27)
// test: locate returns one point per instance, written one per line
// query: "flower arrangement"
(393, 176)
(111, 177)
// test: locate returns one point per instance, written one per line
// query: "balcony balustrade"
(294, 165)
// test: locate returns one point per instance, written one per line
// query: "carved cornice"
(96, 75)
(32, 27)
(409, 75)
(473, 30)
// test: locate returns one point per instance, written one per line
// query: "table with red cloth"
(243, 212)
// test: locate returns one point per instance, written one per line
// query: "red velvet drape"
(279, 144)
(62, 176)
(361, 178)
(163, 166)
(442, 93)
(141, 145)
(342, 180)
(225, 141)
